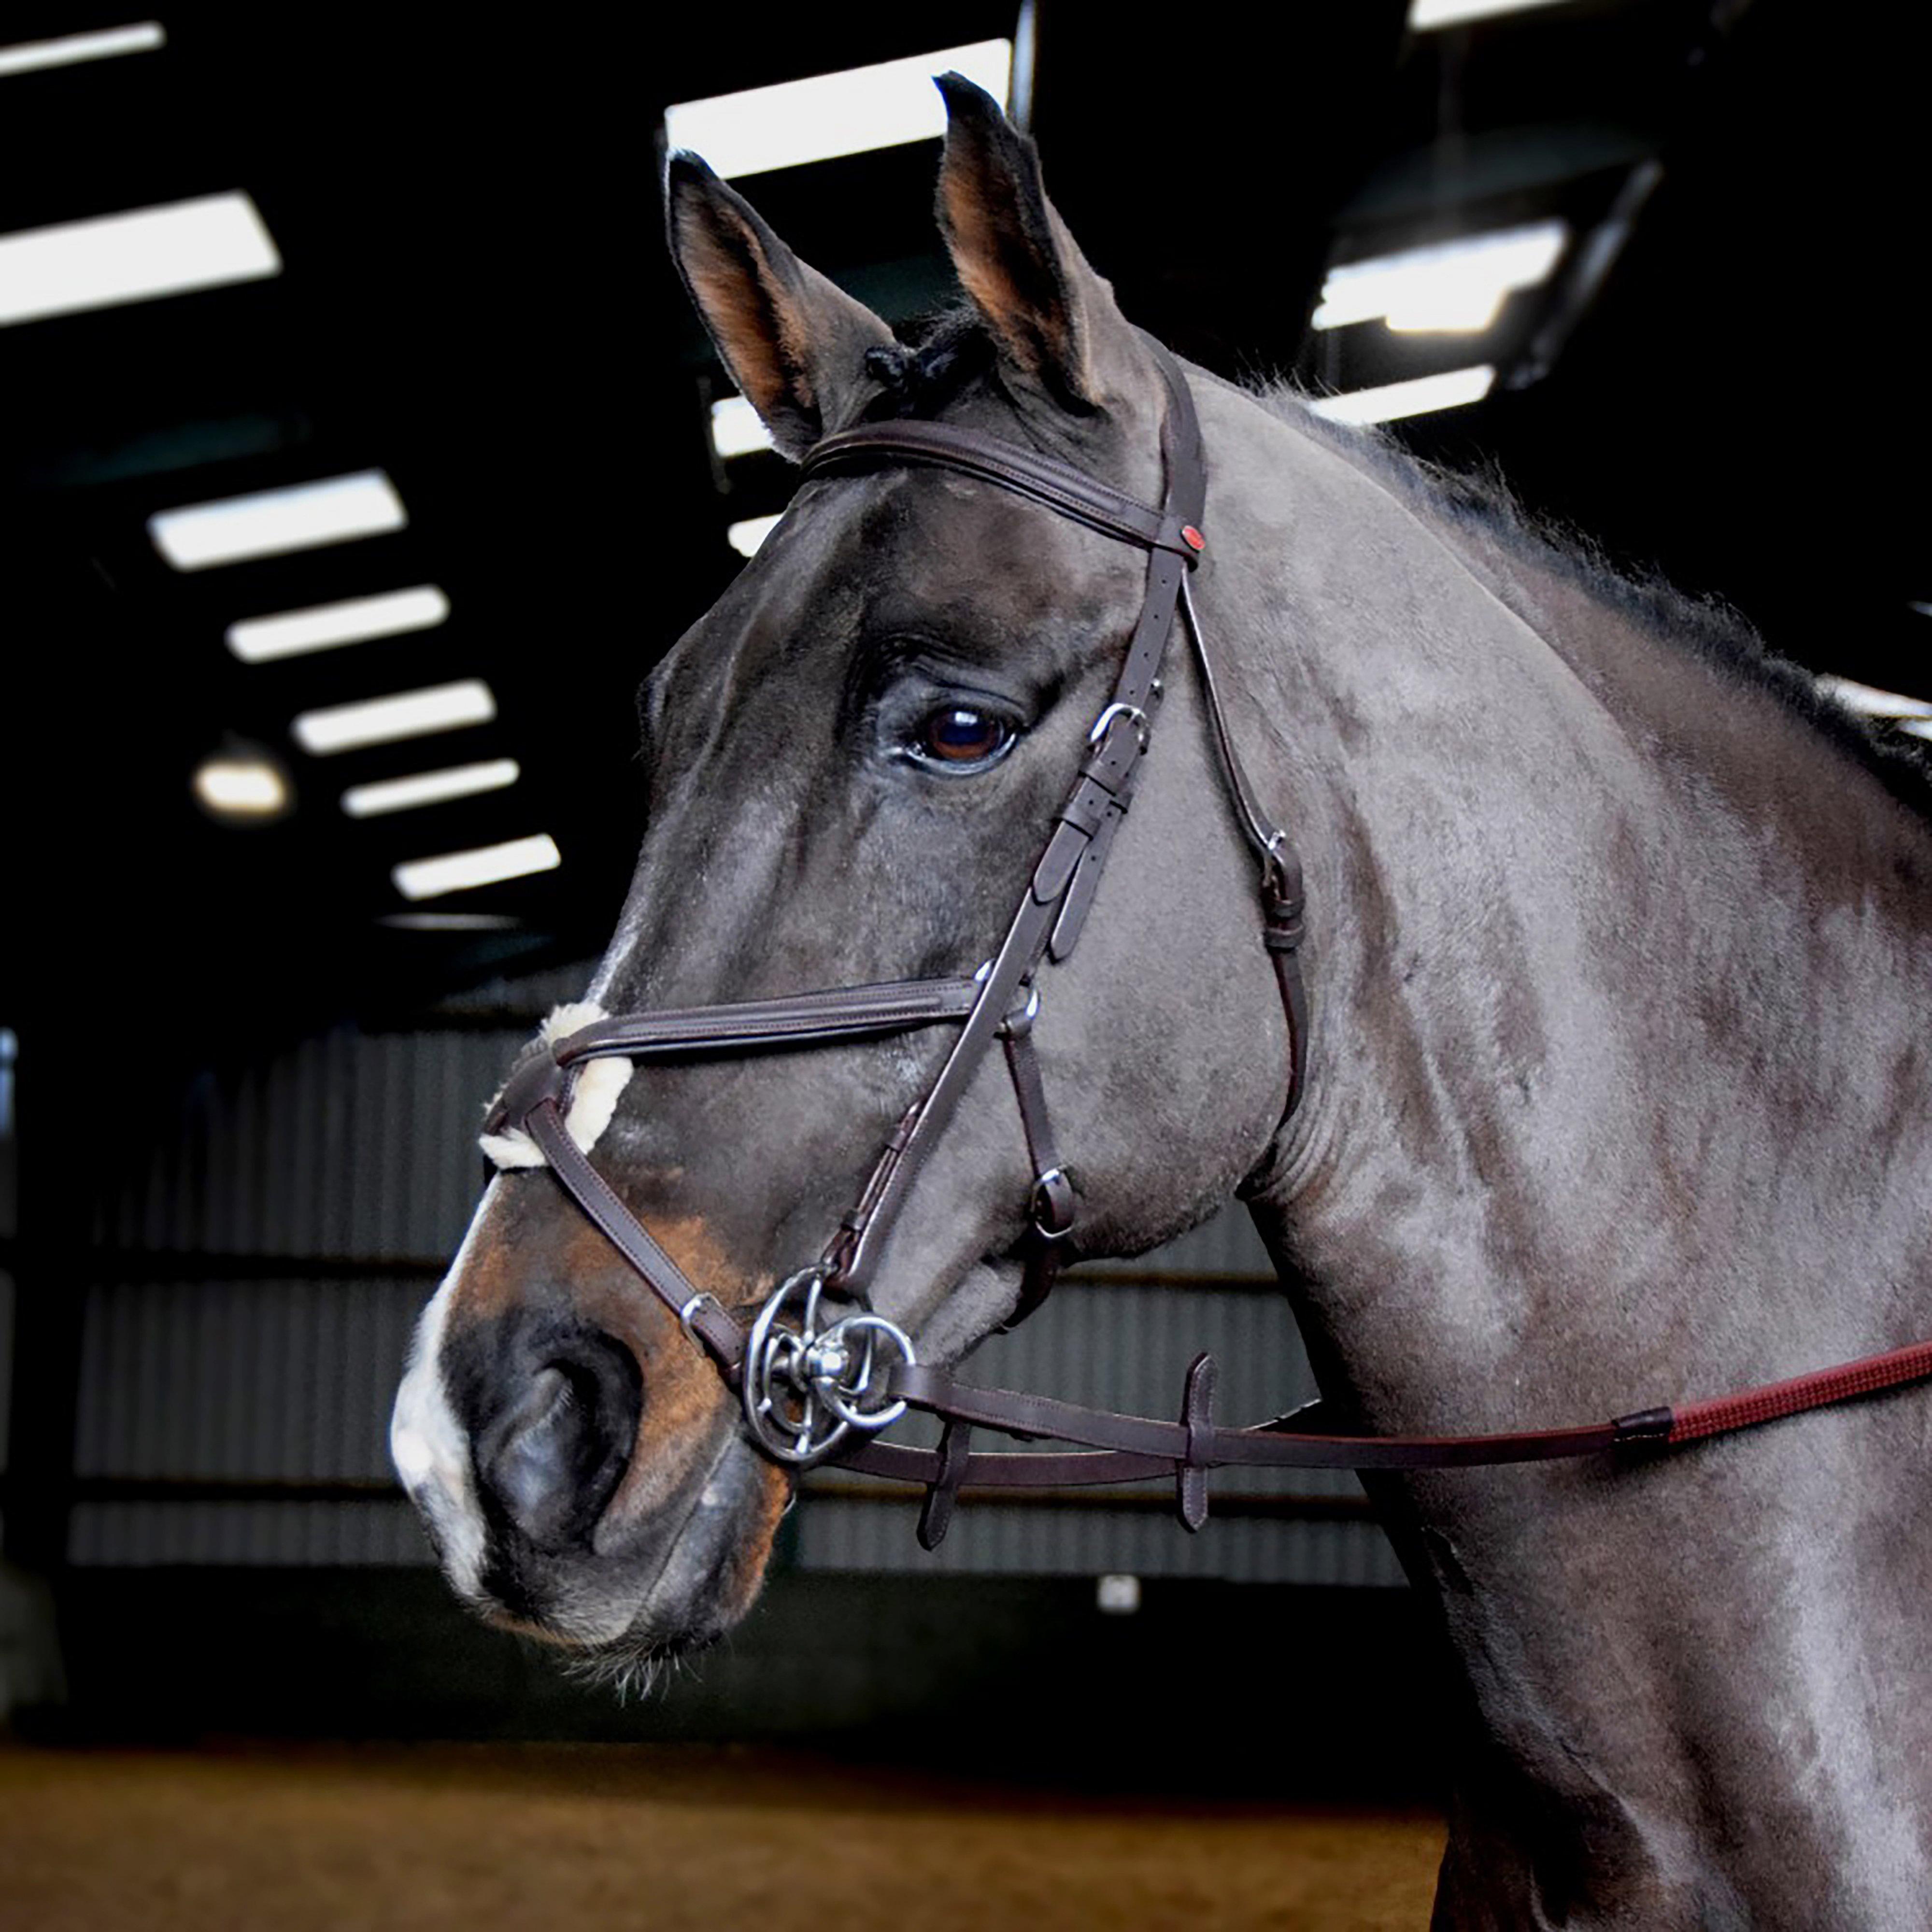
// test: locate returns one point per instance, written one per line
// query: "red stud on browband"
(1192, 538)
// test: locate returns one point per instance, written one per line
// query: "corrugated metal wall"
(350, 1147)
(262, 1268)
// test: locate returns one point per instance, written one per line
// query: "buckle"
(1053, 1205)
(1102, 725)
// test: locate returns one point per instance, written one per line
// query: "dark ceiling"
(475, 300)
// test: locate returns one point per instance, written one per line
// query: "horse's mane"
(941, 354)
(1481, 501)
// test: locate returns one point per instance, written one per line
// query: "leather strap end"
(1063, 853)
(935, 1515)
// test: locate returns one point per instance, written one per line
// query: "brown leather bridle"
(818, 1389)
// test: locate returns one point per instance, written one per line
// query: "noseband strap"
(817, 1381)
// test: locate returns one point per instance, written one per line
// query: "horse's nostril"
(551, 1456)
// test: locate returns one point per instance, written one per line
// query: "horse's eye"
(962, 734)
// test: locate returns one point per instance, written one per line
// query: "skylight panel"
(1869, 701)
(269, 522)
(112, 259)
(1392, 401)
(736, 429)
(745, 538)
(437, 787)
(851, 112)
(408, 714)
(1449, 285)
(323, 627)
(1424, 16)
(27, 56)
(481, 865)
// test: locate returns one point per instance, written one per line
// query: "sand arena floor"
(394, 1838)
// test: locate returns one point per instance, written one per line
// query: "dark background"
(476, 298)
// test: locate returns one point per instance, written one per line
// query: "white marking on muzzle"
(429, 1446)
(593, 1100)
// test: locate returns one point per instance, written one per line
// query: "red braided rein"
(1816, 1390)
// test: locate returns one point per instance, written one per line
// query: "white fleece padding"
(593, 1100)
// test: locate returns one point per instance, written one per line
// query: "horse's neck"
(1618, 1097)
(1619, 972)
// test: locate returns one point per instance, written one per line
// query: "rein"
(819, 1374)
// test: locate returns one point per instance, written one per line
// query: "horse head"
(856, 759)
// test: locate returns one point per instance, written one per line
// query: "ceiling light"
(321, 627)
(450, 922)
(112, 259)
(1919, 728)
(831, 114)
(736, 429)
(1425, 14)
(380, 721)
(1458, 285)
(271, 521)
(242, 785)
(1869, 701)
(483, 865)
(745, 538)
(368, 801)
(1391, 401)
(25, 56)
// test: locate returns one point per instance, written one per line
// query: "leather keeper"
(1197, 1416)
(1642, 1425)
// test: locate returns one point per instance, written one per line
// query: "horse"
(1611, 1089)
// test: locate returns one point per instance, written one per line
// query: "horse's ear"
(794, 342)
(1054, 318)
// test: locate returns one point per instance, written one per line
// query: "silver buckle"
(806, 1387)
(1102, 725)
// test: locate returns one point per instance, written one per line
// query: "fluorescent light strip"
(370, 801)
(269, 522)
(204, 243)
(482, 865)
(27, 56)
(1392, 400)
(323, 627)
(1869, 701)
(830, 114)
(737, 430)
(381, 721)
(1426, 15)
(1458, 285)
(745, 538)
